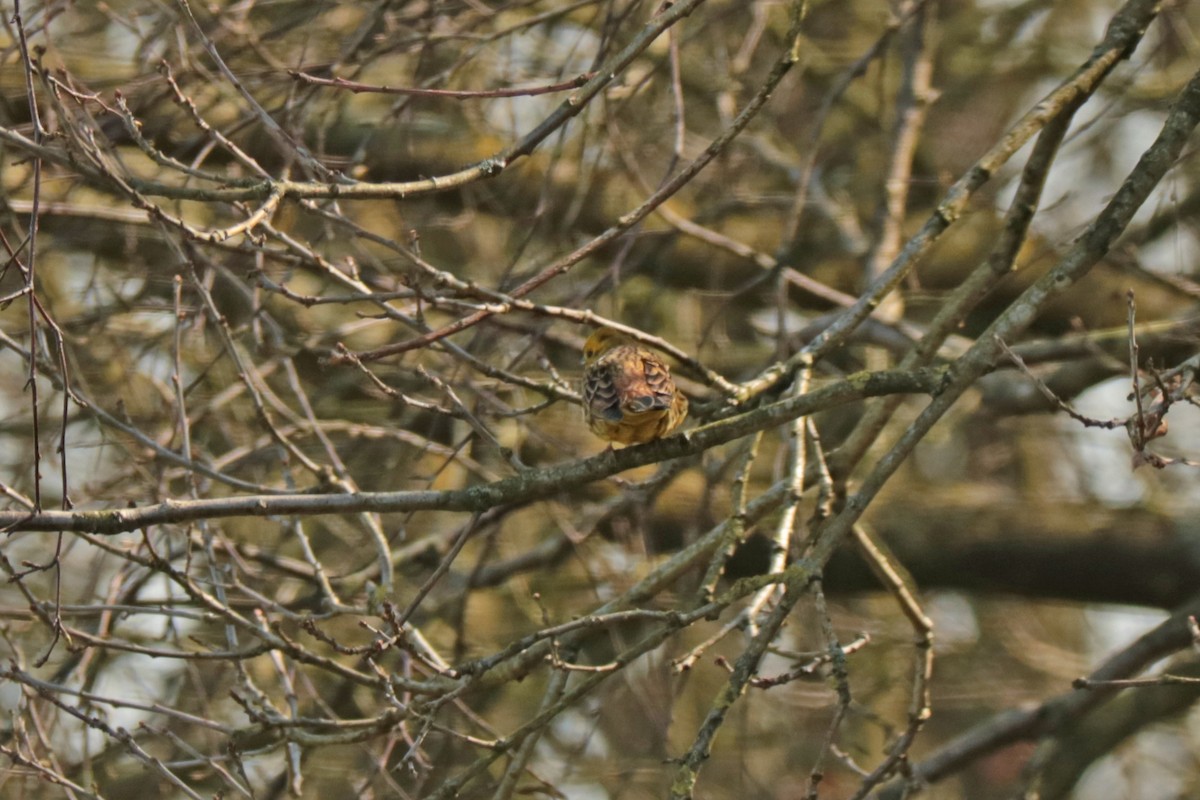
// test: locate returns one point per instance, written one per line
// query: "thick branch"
(528, 485)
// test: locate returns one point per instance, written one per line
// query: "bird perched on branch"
(629, 396)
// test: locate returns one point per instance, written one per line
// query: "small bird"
(629, 396)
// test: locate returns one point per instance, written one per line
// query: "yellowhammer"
(629, 396)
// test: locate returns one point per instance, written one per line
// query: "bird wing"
(642, 381)
(649, 386)
(600, 393)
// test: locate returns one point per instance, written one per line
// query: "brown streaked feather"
(629, 396)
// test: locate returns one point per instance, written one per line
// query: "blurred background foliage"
(1036, 550)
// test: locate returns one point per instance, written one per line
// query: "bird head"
(600, 342)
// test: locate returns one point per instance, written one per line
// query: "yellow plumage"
(629, 396)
